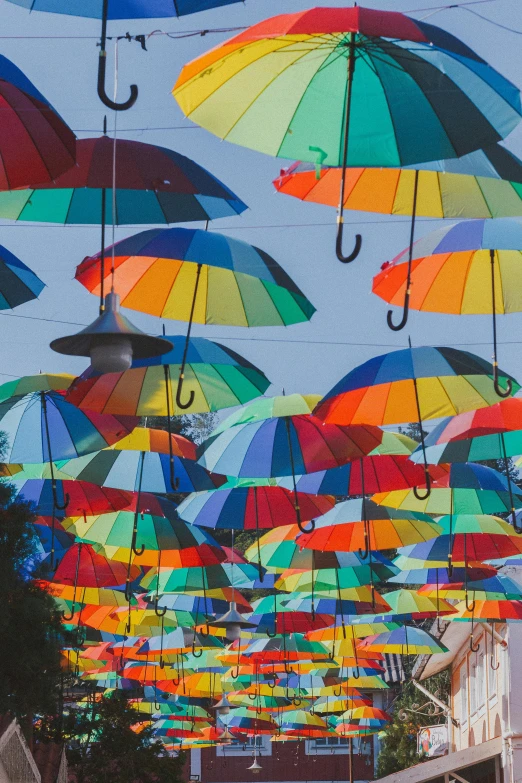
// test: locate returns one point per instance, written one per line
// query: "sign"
(432, 740)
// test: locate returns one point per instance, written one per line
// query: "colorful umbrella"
(412, 605)
(488, 611)
(431, 575)
(75, 498)
(468, 488)
(216, 377)
(471, 267)
(279, 406)
(498, 587)
(190, 580)
(413, 385)
(317, 84)
(348, 582)
(404, 641)
(18, 283)
(363, 526)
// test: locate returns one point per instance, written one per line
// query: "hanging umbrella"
(216, 377)
(140, 471)
(361, 74)
(50, 546)
(308, 602)
(36, 144)
(404, 641)
(303, 723)
(347, 583)
(94, 596)
(116, 9)
(498, 587)
(480, 545)
(482, 184)
(18, 283)
(270, 615)
(471, 267)
(82, 498)
(488, 611)
(190, 580)
(279, 406)
(363, 526)
(238, 507)
(194, 268)
(412, 605)
(467, 488)
(83, 567)
(413, 385)
(243, 720)
(432, 575)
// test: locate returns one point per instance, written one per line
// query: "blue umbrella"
(120, 9)
(18, 283)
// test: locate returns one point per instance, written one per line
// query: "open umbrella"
(413, 385)
(471, 267)
(75, 498)
(18, 283)
(107, 10)
(215, 376)
(318, 84)
(407, 640)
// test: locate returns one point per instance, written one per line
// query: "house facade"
(484, 715)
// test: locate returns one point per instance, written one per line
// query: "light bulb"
(113, 354)
(233, 631)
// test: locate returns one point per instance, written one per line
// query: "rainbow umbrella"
(488, 611)
(468, 488)
(50, 545)
(81, 566)
(75, 498)
(317, 84)
(310, 603)
(407, 640)
(279, 406)
(417, 575)
(18, 283)
(270, 615)
(413, 385)
(363, 526)
(479, 546)
(471, 267)
(216, 377)
(303, 723)
(498, 587)
(412, 605)
(190, 580)
(243, 720)
(352, 583)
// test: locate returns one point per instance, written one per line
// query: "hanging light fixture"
(223, 706)
(111, 341)
(255, 767)
(232, 621)
(226, 738)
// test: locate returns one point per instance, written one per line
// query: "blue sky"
(350, 324)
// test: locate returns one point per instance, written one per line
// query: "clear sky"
(350, 324)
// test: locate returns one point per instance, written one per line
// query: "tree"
(399, 746)
(103, 746)
(30, 628)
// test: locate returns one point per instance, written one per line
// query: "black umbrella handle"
(179, 402)
(406, 307)
(102, 68)
(174, 482)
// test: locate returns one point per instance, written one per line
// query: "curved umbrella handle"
(300, 524)
(339, 244)
(139, 551)
(288, 671)
(58, 506)
(179, 402)
(159, 612)
(234, 673)
(196, 655)
(272, 684)
(498, 390)
(296, 701)
(174, 482)
(428, 489)
(102, 94)
(338, 695)
(77, 571)
(405, 312)
(67, 617)
(271, 634)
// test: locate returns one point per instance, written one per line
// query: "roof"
(453, 636)
(48, 757)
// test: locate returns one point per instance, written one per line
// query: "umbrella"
(468, 488)
(363, 526)
(250, 507)
(190, 580)
(347, 583)
(466, 548)
(75, 498)
(83, 567)
(431, 575)
(18, 283)
(50, 545)
(194, 269)
(412, 605)
(498, 588)
(279, 406)
(404, 641)
(270, 615)
(316, 85)
(36, 144)
(116, 9)
(471, 267)
(308, 602)
(413, 385)
(488, 611)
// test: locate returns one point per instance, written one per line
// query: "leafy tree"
(106, 744)
(30, 629)
(399, 746)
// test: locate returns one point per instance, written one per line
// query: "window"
(480, 680)
(463, 695)
(473, 685)
(245, 747)
(492, 673)
(335, 745)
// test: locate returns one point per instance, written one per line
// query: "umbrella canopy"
(18, 283)
(489, 611)
(356, 525)
(75, 498)
(383, 389)
(412, 605)
(466, 548)
(195, 269)
(135, 470)
(285, 446)
(190, 580)
(216, 376)
(36, 144)
(404, 641)
(250, 507)
(248, 90)
(42, 426)
(431, 575)
(125, 9)
(498, 587)
(347, 583)
(153, 185)
(483, 184)
(308, 602)
(468, 488)
(83, 567)
(492, 433)
(116, 530)
(279, 406)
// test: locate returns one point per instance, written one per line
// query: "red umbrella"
(83, 567)
(35, 143)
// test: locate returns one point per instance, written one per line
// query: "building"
(19, 765)
(484, 716)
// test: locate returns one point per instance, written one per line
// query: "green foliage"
(399, 746)
(30, 629)
(196, 426)
(103, 748)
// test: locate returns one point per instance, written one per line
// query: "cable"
(140, 130)
(491, 21)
